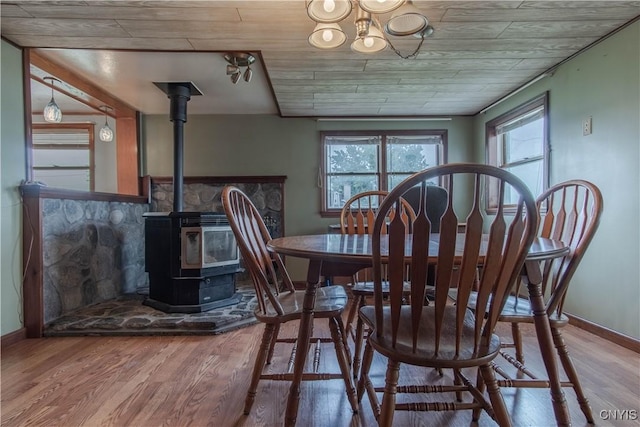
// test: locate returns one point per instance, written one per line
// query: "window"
(353, 162)
(517, 141)
(63, 155)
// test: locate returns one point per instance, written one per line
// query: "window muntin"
(63, 155)
(517, 141)
(354, 162)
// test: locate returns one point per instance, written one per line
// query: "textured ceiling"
(479, 52)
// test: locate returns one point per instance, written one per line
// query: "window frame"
(41, 128)
(382, 172)
(493, 153)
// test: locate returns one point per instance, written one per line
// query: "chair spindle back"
(496, 243)
(569, 211)
(266, 268)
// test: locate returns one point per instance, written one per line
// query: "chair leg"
(365, 384)
(353, 313)
(358, 346)
(367, 358)
(457, 381)
(343, 336)
(517, 342)
(389, 396)
(497, 402)
(343, 361)
(572, 374)
(261, 358)
(480, 386)
(272, 345)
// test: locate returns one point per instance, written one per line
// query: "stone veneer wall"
(93, 251)
(90, 246)
(206, 197)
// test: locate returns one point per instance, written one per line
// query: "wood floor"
(202, 381)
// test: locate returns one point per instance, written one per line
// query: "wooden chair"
(356, 217)
(570, 212)
(279, 302)
(444, 335)
(437, 199)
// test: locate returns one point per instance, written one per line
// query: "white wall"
(604, 83)
(13, 164)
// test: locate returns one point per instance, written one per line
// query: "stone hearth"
(126, 315)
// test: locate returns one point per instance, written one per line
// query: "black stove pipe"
(179, 94)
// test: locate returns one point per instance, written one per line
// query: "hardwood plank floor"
(202, 381)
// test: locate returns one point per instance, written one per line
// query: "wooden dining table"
(343, 255)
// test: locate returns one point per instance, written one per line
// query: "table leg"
(545, 340)
(304, 335)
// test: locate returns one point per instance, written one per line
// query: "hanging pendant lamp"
(52, 113)
(106, 133)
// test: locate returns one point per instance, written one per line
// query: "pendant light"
(327, 36)
(380, 6)
(52, 112)
(328, 11)
(106, 133)
(369, 37)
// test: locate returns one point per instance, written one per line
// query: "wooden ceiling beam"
(87, 93)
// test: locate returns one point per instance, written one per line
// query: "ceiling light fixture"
(371, 36)
(237, 60)
(52, 112)
(106, 133)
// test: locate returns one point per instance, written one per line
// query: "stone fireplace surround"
(82, 248)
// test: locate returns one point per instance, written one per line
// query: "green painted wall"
(269, 145)
(604, 83)
(12, 162)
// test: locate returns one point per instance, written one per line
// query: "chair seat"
(519, 310)
(330, 301)
(366, 288)
(424, 355)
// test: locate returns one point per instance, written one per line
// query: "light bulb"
(368, 41)
(381, 1)
(327, 35)
(52, 112)
(106, 133)
(329, 6)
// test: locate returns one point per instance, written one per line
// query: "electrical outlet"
(586, 126)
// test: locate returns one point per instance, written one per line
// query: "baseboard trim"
(13, 337)
(615, 337)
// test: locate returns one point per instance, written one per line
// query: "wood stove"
(192, 259)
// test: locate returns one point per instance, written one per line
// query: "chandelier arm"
(412, 55)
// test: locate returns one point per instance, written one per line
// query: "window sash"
(65, 170)
(520, 121)
(383, 174)
(531, 165)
